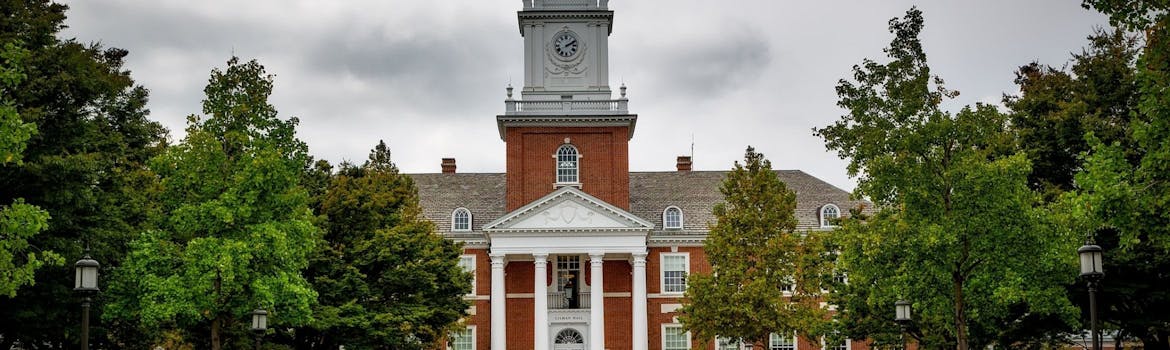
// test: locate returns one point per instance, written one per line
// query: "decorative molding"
(521, 295)
(568, 199)
(617, 295)
(668, 308)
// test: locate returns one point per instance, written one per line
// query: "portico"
(556, 234)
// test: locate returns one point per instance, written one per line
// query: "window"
(467, 262)
(569, 336)
(782, 343)
(461, 220)
(567, 164)
(727, 344)
(829, 214)
(788, 285)
(674, 272)
(463, 339)
(674, 338)
(828, 344)
(672, 218)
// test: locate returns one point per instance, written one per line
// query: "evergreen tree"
(761, 280)
(386, 280)
(236, 230)
(84, 166)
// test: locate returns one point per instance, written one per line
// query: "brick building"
(571, 250)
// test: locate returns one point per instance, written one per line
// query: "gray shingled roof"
(696, 193)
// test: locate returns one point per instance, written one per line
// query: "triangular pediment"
(568, 208)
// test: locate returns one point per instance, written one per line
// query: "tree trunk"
(215, 324)
(960, 314)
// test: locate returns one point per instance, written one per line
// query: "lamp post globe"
(902, 312)
(85, 273)
(1092, 270)
(1090, 255)
(259, 324)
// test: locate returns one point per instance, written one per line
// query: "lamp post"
(902, 317)
(259, 324)
(85, 282)
(1091, 270)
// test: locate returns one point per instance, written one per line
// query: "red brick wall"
(604, 165)
(698, 264)
(483, 286)
(520, 321)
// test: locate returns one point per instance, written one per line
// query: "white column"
(596, 302)
(540, 293)
(499, 303)
(639, 296)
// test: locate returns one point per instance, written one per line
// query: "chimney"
(684, 164)
(448, 165)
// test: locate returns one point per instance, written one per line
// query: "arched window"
(569, 336)
(672, 218)
(829, 214)
(567, 169)
(461, 220)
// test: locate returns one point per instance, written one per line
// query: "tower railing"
(619, 106)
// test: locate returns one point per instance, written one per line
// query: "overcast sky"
(428, 77)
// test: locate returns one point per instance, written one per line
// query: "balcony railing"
(560, 300)
(620, 106)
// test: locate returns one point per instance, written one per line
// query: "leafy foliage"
(236, 230)
(84, 165)
(755, 255)
(957, 233)
(386, 280)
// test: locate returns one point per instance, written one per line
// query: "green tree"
(957, 233)
(19, 221)
(760, 282)
(237, 230)
(386, 280)
(1055, 108)
(85, 165)
(1128, 185)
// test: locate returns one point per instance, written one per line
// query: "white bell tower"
(566, 49)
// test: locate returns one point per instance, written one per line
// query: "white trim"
(662, 271)
(454, 228)
(680, 218)
(576, 165)
(639, 224)
(825, 346)
(471, 269)
(795, 342)
(821, 215)
(686, 334)
(471, 334)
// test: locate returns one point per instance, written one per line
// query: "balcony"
(567, 107)
(560, 300)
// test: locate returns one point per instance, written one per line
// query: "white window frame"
(454, 224)
(576, 166)
(469, 268)
(737, 344)
(686, 333)
(825, 345)
(470, 334)
(665, 226)
(825, 221)
(662, 271)
(789, 286)
(774, 346)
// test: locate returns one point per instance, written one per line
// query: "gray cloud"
(428, 76)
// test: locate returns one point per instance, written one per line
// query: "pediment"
(568, 208)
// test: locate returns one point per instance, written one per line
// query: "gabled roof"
(695, 192)
(568, 208)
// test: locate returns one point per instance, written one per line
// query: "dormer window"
(567, 165)
(829, 215)
(461, 220)
(672, 218)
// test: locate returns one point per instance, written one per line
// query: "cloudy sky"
(429, 76)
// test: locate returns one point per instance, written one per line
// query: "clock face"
(565, 44)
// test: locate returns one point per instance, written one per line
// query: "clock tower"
(566, 128)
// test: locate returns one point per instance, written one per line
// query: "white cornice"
(635, 223)
(503, 122)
